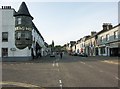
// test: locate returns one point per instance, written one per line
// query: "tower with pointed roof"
(23, 27)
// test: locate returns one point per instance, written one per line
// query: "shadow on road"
(68, 59)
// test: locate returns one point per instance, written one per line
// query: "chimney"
(6, 7)
(107, 26)
(110, 26)
(93, 33)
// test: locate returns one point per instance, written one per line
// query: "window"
(101, 39)
(102, 50)
(19, 20)
(4, 36)
(115, 34)
(107, 37)
(19, 35)
(27, 36)
(23, 35)
(4, 52)
(29, 29)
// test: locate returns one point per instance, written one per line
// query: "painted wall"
(111, 36)
(107, 43)
(8, 25)
(78, 48)
(74, 48)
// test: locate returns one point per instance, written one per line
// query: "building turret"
(23, 27)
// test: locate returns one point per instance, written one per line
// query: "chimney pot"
(107, 26)
(6, 7)
(93, 33)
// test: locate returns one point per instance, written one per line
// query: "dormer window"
(19, 20)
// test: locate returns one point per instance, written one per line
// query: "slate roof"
(23, 10)
(102, 31)
(37, 31)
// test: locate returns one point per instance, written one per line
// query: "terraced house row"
(103, 43)
(20, 39)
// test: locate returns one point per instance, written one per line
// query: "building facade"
(20, 39)
(108, 40)
(69, 47)
(103, 43)
(90, 44)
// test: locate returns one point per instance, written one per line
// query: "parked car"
(83, 55)
(74, 54)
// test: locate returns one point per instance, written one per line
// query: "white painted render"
(39, 40)
(92, 45)
(8, 25)
(73, 48)
(111, 39)
(78, 48)
(110, 32)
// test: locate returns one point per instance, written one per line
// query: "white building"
(78, 48)
(38, 44)
(19, 39)
(74, 48)
(108, 40)
(90, 44)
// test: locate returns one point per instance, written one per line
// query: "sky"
(69, 20)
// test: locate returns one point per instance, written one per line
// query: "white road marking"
(41, 69)
(90, 66)
(53, 64)
(101, 71)
(110, 62)
(60, 81)
(57, 64)
(18, 84)
(117, 78)
(61, 86)
(82, 62)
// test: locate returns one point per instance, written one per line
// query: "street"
(70, 71)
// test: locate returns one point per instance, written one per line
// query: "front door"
(4, 52)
